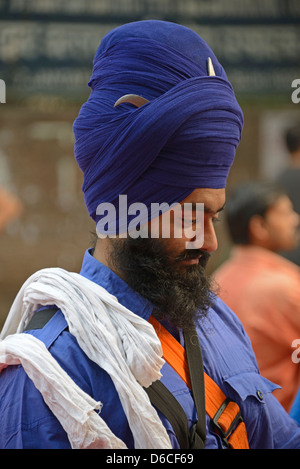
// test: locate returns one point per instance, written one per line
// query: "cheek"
(279, 231)
(168, 227)
(282, 231)
(287, 226)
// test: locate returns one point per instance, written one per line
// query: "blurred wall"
(37, 164)
(46, 52)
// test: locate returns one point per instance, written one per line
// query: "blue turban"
(183, 138)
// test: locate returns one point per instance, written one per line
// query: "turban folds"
(183, 138)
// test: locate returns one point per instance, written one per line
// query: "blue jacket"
(26, 422)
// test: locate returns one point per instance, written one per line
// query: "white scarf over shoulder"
(119, 341)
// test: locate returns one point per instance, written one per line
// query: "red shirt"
(263, 289)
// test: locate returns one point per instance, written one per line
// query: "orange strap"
(224, 413)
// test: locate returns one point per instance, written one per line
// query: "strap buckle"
(235, 422)
(195, 440)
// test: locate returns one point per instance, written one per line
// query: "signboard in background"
(47, 46)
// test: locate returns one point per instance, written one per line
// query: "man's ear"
(258, 231)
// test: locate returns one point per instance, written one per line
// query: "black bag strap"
(166, 403)
(38, 321)
(164, 400)
(160, 396)
(195, 362)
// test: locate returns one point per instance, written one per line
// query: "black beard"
(180, 294)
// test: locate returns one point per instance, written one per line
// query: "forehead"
(213, 199)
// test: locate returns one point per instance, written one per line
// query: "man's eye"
(215, 220)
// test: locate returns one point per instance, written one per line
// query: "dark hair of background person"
(245, 201)
(292, 138)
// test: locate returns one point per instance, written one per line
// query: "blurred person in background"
(261, 286)
(10, 208)
(289, 179)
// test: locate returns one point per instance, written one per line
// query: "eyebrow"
(207, 209)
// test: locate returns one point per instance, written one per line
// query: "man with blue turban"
(137, 351)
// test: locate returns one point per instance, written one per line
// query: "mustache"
(189, 254)
(177, 294)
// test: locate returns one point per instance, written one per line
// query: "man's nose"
(210, 243)
(205, 239)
